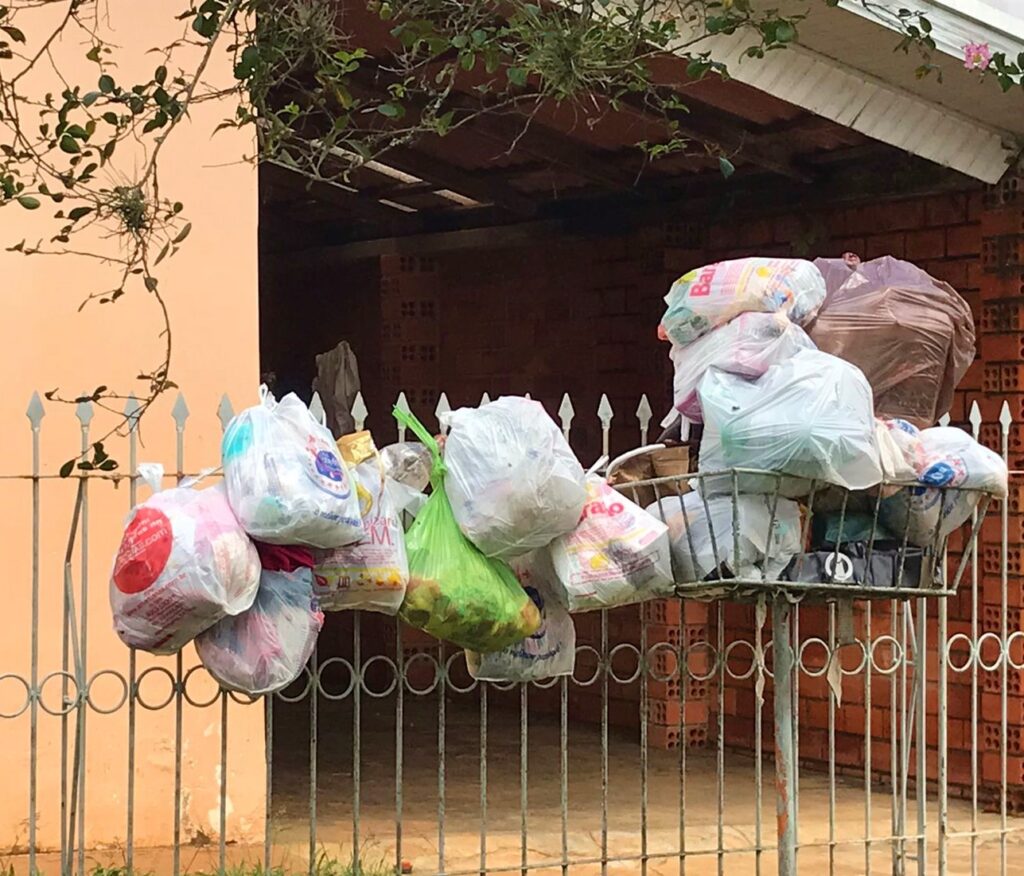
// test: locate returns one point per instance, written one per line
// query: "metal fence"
(386, 750)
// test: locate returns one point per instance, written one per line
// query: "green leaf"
(150, 283)
(67, 468)
(785, 32)
(183, 233)
(726, 166)
(391, 110)
(93, 54)
(516, 75)
(160, 75)
(79, 213)
(13, 32)
(108, 465)
(77, 131)
(106, 83)
(70, 145)
(28, 202)
(110, 118)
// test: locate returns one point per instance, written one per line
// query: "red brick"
(994, 286)
(963, 240)
(946, 209)
(667, 714)
(991, 709)
(975, 206)
(927, 244)
(1005, 347)
(885, 244)
(898, 215)
(1006, 220)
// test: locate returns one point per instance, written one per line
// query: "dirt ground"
(713, 845)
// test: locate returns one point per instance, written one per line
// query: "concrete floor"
(703, 835)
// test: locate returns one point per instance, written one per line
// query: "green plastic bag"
(455, 592)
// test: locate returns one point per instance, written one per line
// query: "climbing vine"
(322, 102)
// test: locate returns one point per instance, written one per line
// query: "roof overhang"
(844, 68)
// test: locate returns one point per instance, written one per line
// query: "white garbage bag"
(746, 346)
(513, 482)
(285, 480)
(183, 564)
(710, 296)
(705, 537)
(954, 471)
(809, 417)
(408, 463)
(548, 653)
(373, 572)
(264, 649)
(617, 555)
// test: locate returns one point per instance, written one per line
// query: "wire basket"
(743, 533)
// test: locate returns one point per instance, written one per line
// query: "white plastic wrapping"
(408, 463)
(183, 564)
(746, 346)
(703, 541)
(513, 482)
(264, 649)
(952, 459)
(286, 482)
(373, 572)
(617, 555)
(548, 653)
(809, 417)
(710, 296)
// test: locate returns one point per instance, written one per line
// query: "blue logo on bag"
(329, 466)
(938, 475)
(237, 439)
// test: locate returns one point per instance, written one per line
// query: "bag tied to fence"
(456, 593)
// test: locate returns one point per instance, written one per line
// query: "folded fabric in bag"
(455, 592)
(617, 555)
(887, 565)
(746, 346)
(911, 335)
(263, 649)
(710, 296)
(547, 653)
(513, 482)
(373, 572)
(183, 564)
(285, 480)
(706, 535)
(952, 466)
(809, 417)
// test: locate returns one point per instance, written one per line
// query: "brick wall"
(579, 316)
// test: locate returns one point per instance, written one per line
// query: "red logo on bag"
(593, 509)
(702, 285)
(144, 551)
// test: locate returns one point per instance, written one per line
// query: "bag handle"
(408, 419)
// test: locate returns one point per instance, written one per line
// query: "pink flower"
(977, 56)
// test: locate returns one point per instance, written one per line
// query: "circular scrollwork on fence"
(985, 639)
(625, 648)
(588, 650)
(951, 644)
(307, 685)
(121, 700)
(9, 677)
(692, 654)
(813, 670)
(70, 700)
(897, 654)
(449, 676)
(731, 649)
(431, 660)
(349, 686)
(392, 684)
(161, 672)
(653, 654)
(1014, 638)
(200, 671)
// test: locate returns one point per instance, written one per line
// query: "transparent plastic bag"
(617, 555)
(548, 653)
(456, 593)
(951, 468)
(286, 482)
(746, 346)
(264, 649)
(407, 463)
(702, 535)
(911, 335)
(183, 564)
(809, 417)
(710, 296)
(513, 482)
(373, 572)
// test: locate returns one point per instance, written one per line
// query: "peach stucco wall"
(211, 289)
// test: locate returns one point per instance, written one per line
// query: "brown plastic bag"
(911, 335)
(337, 381)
